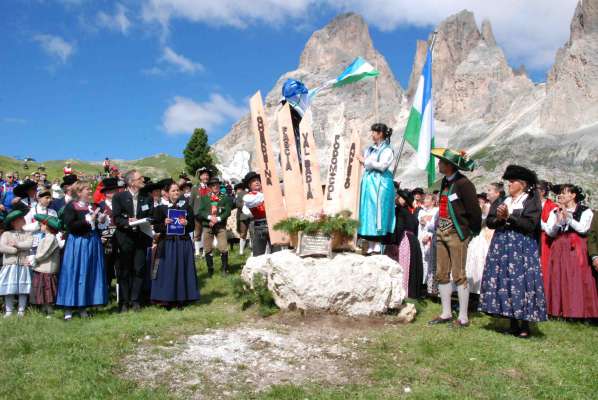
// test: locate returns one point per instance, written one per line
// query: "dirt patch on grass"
(288, 348)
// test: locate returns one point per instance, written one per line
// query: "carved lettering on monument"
(264, 149)
(333, 167)
(350, 166)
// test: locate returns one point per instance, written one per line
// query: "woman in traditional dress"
(376, 208)
(403, 246)
(478, 250)
(545, 240)
(512, 284)
(571, 289)
(82, 279)
(174, 280)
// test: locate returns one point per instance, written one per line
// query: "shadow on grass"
(502, 325)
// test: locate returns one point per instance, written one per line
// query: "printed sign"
(176, 228)
(314, 245)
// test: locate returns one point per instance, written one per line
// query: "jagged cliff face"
(327, 52)
(482, 104)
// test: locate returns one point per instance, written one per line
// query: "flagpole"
(403, 139)
(376, 91)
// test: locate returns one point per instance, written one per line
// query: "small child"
(15, 275)
(46, 264)
(427, 231)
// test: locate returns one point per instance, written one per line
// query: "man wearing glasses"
(127, 207)
(7, 192)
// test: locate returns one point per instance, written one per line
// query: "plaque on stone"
(313, 245)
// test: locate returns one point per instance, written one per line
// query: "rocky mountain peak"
(487, 33)
(585, 19)
(328, 47)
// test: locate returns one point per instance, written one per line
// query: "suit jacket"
(57, 204)
(465, 210)
(122, 210)
(525, 220)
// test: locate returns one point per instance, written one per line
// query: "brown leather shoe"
(439, 320)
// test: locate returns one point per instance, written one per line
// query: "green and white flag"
(419, 132)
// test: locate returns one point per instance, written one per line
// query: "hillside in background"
(157, 166)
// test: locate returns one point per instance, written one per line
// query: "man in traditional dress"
(197, 192)
(460, 218)
(214, 210)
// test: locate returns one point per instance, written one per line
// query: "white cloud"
(154, 71)
(184, 114)
(55, 46)
(181, 62)
(117, 22)
(529, 31)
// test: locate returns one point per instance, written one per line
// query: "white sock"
(197, 247)
(242, 245)
(68, 314)
(9, 303)
(22, 302)
(463, 292)
(446, 290)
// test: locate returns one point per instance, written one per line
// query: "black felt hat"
(68, 180)
(109, 184)
(165, 183)
(406, 195)
(23, 188)
(517, 172)
(214, 181)
(250, 177)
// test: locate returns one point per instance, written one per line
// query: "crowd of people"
(66, 247)
(524, 252)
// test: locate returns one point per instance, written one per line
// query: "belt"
(260, 222)
(445, 224)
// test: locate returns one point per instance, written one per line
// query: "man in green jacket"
(213, 212)
(459, 218)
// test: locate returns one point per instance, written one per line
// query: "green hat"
(458, 158)
(50, 220)
(11, 217)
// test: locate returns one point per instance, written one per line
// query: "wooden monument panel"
(312, 185)
(275, 209)
(333, 202)
(289, 164)
(352, 176)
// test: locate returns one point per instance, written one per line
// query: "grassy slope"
(159, 165)
(82, 359)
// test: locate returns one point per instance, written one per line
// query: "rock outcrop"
(348, 284)
(572, 85)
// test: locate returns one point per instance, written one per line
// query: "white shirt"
(135, 199)
(371, 157)
(32, 224)
(553, 227)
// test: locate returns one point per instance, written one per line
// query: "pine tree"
(198, 153)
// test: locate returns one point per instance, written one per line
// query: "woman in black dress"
(174, 280)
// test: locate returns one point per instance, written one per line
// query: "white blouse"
(553, 227)
(371, 157)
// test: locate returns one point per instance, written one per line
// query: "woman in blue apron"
(376, 204)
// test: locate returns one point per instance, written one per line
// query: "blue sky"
(88, 79)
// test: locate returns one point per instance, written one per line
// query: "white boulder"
(349, 284)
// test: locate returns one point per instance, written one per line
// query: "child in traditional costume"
(255, 207)
(15, 274)
(571, 290)
(512, 284)
(46, 264)
(174, 280)
(376, 207)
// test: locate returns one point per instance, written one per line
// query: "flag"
(419, 132)
(358, 70)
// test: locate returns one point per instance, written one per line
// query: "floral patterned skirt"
(512, 283)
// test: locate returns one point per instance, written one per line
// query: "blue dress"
(174, 278)
(82, 279)
(377, 196)
(512, 284)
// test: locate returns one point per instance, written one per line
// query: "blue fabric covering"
(377, 203)
(176, 279)
(512, 283)
(82, 279)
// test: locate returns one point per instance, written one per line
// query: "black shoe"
(123, 309)
(439, 320)
(136, 307)
(210, 263)
(224, 258)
